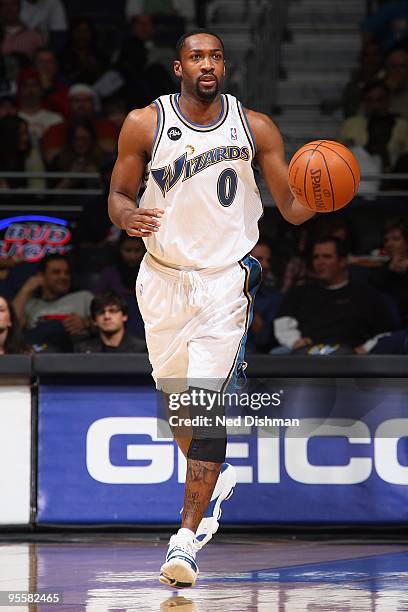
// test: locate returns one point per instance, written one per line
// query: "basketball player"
(199, 219)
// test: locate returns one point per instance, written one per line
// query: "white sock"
(186, 532)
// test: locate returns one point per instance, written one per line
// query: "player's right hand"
(143, 221)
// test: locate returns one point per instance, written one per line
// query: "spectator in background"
(53, 314)
(17, 38)
(169, 25)
(81, 154)
(8, 106)
(141, 63)
(11, 338)
(54, 92)
(334, 312)
(94, 225)
(48, 17)
(131, 60)
(354, 130)
(121, 278)
(371, 68)
(81, 106)
(82, 61)
(400, 167)
(392, 277)
(296, 272)
(6, 84)
(396, 79)
(333, 225)
(38, 120)
(31, 107)
(116, 109)
(268, 299)
(109, 315)
(15, 148)
(374, 158)
(138, 7)
(389, 25)
(11, 67)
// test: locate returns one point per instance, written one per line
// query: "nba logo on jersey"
(234, 135)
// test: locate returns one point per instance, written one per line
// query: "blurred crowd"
(320, 299)
(336, 285)
(50, 307)
(339, 283)
(69, 74)
(315, 298)
(375, 100)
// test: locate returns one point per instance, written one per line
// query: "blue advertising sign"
(102, 460)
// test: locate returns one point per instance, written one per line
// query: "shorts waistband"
(154, 263)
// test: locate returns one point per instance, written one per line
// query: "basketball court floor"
(104, 572)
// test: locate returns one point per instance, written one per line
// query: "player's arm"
(134, 147)
(271, 159)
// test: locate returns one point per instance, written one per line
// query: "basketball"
(324, 175)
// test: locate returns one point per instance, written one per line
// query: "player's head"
(329, 255)
(200, 64)
(109, 312)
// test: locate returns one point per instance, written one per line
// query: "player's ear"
(177, 68)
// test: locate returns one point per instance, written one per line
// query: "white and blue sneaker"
(223, 490)
(180, 569)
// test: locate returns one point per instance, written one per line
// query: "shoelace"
(188, 545)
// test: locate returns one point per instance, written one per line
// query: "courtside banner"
(15, 454)
(336, 453)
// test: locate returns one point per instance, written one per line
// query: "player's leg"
(168, 324)
(169, 334)
(231, 298)
(182, 434)
(225, 481)
(201, 478)
(216, 351)
(205, 455)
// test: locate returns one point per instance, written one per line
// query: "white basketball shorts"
(196, 322)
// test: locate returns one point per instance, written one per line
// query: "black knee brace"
(209, 441)
(208, 449)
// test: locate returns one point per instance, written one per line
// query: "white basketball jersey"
(202, 176)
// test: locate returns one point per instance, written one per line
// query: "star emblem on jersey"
(190, 149)
(174, 133)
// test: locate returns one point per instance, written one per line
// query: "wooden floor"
(102, 573)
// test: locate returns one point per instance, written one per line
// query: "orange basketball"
(324, 175)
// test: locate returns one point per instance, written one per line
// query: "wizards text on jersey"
(168, 176)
